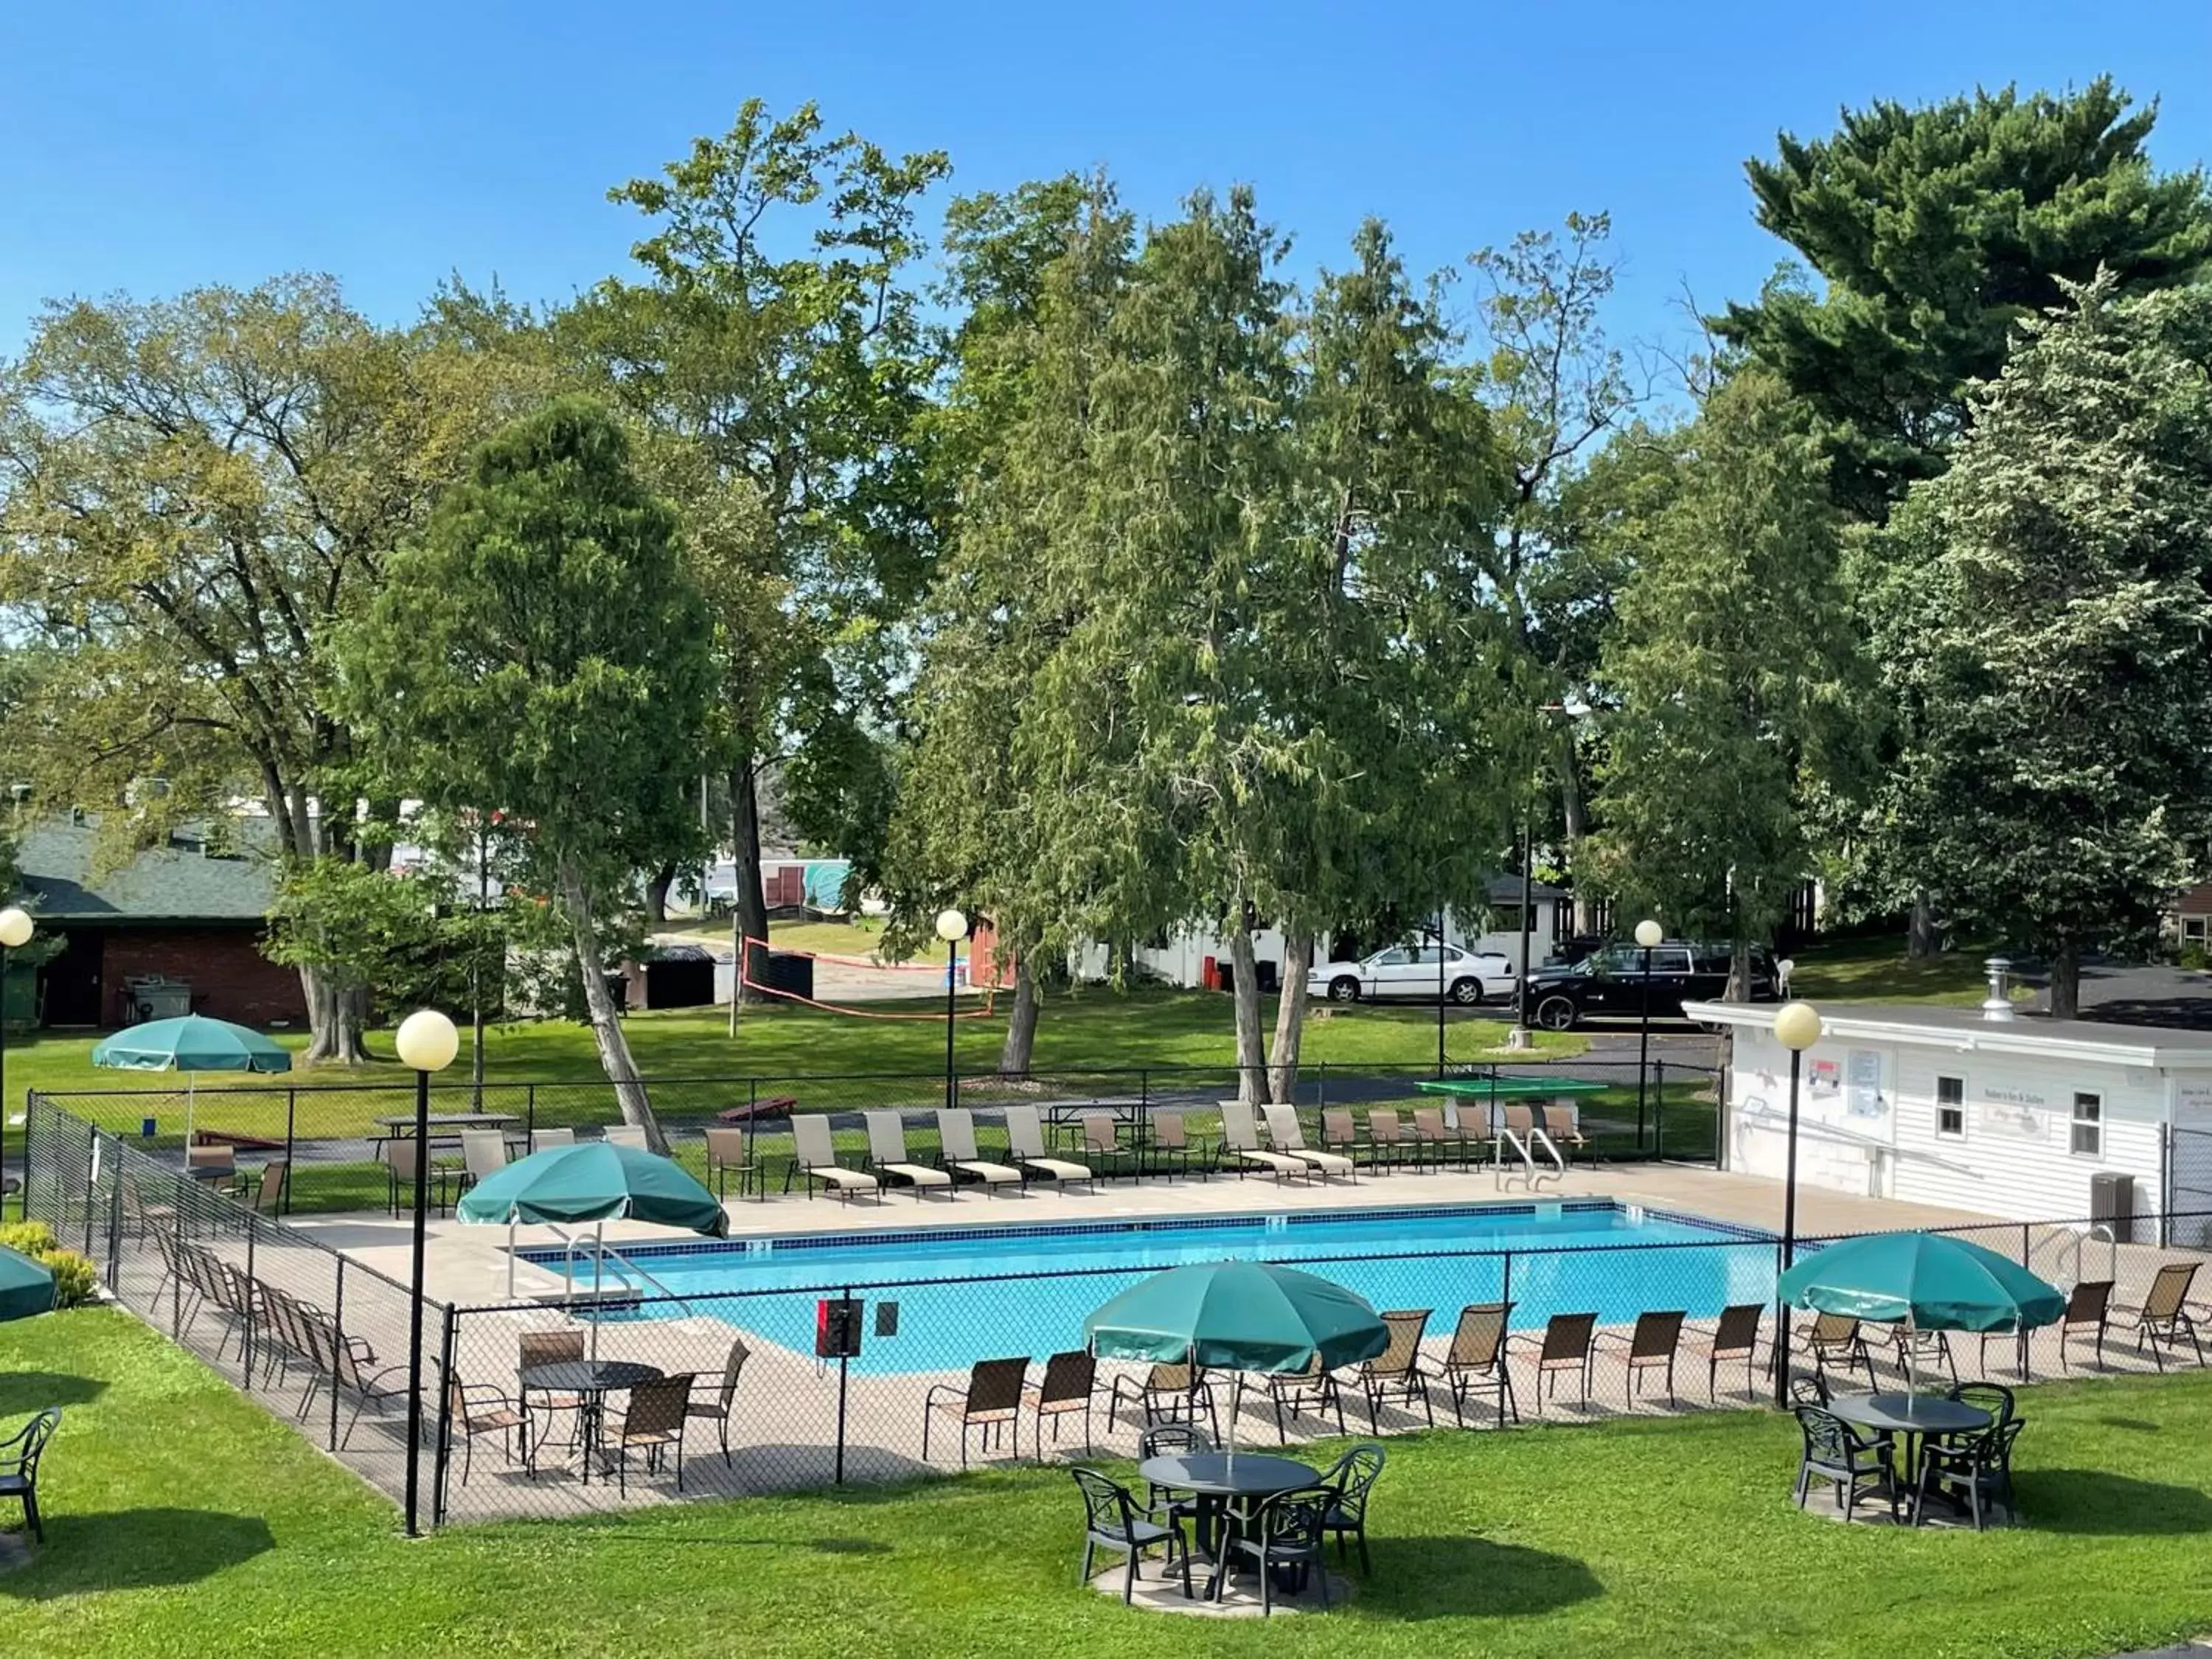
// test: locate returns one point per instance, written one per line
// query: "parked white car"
(1412, 971)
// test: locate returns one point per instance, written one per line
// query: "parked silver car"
(1414, 972)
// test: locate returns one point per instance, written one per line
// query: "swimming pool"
(964, 1293)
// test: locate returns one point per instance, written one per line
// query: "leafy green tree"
(1734, 677)
(776, 345)
(2044, 625)
(194, 495)
(542, 648)
(1935, 231)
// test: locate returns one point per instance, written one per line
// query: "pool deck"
(468, 1264)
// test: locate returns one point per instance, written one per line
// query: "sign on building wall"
(1863, 1086)
(1827, 1080)
(2016, 1114)
(2192, 1097)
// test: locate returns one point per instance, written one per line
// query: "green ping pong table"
(1486, 1094)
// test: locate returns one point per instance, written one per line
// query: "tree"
(194, 495)
(795, 386)
(1936, 232)
(1734, 677)
(2043, 621)
(542, 649)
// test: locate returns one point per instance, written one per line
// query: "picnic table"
(444, 1125)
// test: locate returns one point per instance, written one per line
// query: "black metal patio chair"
(1286, 1537)
(19, 1467)
(1853, 1465)
(1353, 1477)
(1111, 1522)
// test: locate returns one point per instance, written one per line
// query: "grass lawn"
(182, 1519)
(1876, 969)
(1090, 1027)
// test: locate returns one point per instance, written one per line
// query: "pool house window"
(2089, 1125)
(1951, 1107)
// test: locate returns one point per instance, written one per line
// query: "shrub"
(31, 1238)
(2194, 957)
(76, 1281)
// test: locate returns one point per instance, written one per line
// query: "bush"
(76, 1281)
(32, 1238)
(2194, 957)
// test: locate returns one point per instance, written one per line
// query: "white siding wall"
(2015, 1159)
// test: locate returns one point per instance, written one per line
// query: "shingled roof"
(165, 884)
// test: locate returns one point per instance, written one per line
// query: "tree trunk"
(1291, 1017)
(336, 1016)
(751, 906)
(1021, 1024)
(1739, 979)
(1244, 992)
(606, 1023)
(1574, 817)
(656, 895)
(1922, 938)
(2066, 982)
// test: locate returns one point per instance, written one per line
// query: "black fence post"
(245, 1346)
(1659, 1109)
(176, 1269)
(529, 1115)
(91, 1173)
(23, 1196)
(1505, 1294)
(115, 1225)
(291, 1108)
(445, 1421)
(844, 1369)
(337, 1338)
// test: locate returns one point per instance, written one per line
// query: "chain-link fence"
(774, 1363)
(336, 1141)
(2188, 1186)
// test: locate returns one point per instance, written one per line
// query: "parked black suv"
(1609, 984)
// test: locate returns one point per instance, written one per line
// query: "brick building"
(179, 927)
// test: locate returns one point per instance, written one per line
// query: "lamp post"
(15, 932)
(1518, 1036)
(1796, 1028)
(951, 927)
(1440, 991)
(427, 1042)
(1648, 933)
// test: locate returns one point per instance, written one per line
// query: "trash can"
(2112, 1201)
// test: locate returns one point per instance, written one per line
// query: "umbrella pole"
(192, 1099)
(598, 1269)
(512, 1216)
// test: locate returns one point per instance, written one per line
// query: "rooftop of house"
(187, 880)
(1965, 1028)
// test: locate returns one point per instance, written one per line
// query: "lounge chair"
(1919, 1350)
(1437, 1139)
(1025, 1146)
(1352, 1476)
(887, 1155)
(541, 1140)
(1070, 1384)
(1307, 1392)
(1388, 1142)
(1569, 1342)
(1397, 1368)
(1102, 1145)
(955, 1136)
(655, 1422)
(1567, 1134)
(1172, 1146)
(1477, 1358)
(1286, 1136)
(19, 1467)
(729, 1153)
(625, 1134)
(1734, 1337)
(214, 1165)
(269, 1187)
(717, 1410)
(815, 1157)
(1835, 1339)
(2164, 1317)
(2088, 1307)
(1111, 1522)
(1339, 1133)
(1167, 1394)
(1834, 1452)
(1651, 1346)
(483, 1154)
(990, 1401)
(1240, 1143)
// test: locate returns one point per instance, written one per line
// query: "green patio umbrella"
(1922, 1281)
(1242, 1315)
(26, 1287)
(189, 1044)
(596, 1181)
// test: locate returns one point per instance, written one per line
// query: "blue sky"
(164, 145)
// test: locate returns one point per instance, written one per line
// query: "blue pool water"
(959, 1298)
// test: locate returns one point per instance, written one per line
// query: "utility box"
(2113, 1204)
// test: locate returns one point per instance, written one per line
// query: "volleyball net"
(865, 988)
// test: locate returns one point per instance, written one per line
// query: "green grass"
(184, 1520)
(1876, 968)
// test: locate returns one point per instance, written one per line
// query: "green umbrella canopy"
(1931, 1281)
(1241, 1316)
(192, 1043)
(26, 1287)
(595, 1180)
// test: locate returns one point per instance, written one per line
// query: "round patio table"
(1915, 1418)
(591, 1380)
(1223, 1482)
